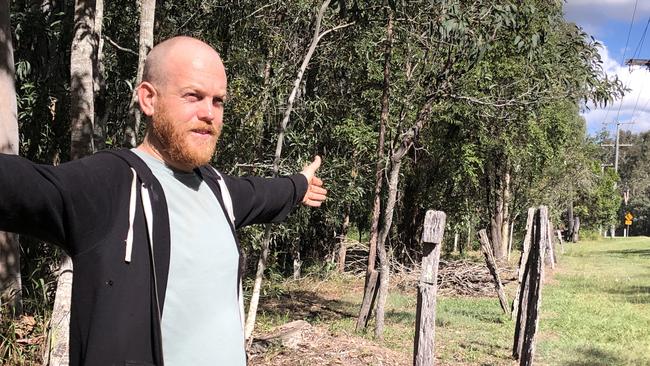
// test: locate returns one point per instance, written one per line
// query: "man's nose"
(206, 110)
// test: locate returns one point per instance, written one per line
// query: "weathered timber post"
(522, 263)
(530, 289)
(425, 319)
(535, 269)
(491, 264)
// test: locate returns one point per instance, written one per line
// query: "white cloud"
(635, 106)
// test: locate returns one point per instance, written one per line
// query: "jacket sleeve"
(262, 200)
(30, 203)
(63, 205)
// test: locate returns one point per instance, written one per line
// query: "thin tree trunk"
(396, 162)
(83, 61)
(505, 223)
(145, 42)
(370, 287)
(570, 219)
(261, 264)
(342, 242)
(58, 338)
(99, 86)
(83, 52)
(10, 281)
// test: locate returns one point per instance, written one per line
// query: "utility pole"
(617, 145)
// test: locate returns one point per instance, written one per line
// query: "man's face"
(188, 114)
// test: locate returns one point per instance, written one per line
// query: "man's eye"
(218, 102)
(192, 97)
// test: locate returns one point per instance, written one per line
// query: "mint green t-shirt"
(201, 321)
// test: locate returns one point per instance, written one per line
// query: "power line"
(636, 53)
(627, 41)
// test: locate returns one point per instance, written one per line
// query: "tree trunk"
(99, 86)
(10, 281)
(342, 240)
(370, 287)
(83, 53)
(505, 224)
(297, 262)
(145, 42)
(56, 352)
(83, 60)
(262, 262)
(500, 216)
(575, 234)
(570, 219)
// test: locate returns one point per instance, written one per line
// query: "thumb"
(311, 168)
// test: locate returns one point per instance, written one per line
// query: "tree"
(85, 82)
(10, 288)
(145, 43)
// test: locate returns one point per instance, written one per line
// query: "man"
(156, 258)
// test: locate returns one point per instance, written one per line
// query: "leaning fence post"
(425, 319)
(492, 266)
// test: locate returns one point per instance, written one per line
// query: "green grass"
(595, 311)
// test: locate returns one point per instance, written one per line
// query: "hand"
(315, 194)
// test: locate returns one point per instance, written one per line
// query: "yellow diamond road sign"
(628, 218)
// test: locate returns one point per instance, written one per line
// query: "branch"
(114, 44)
(334, 29)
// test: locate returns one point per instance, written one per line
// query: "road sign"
(628, 222)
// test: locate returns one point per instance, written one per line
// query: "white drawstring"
(148, 212)
(129, 235)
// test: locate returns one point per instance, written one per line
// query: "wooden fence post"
(522, 263)
(531, 291)
(491, 264)
(425, 319)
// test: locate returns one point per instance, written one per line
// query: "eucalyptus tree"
(10, 280)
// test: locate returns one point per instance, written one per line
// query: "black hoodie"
(83, 207)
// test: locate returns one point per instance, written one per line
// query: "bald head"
(175, 52)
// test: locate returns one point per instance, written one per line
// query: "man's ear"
(147, 96)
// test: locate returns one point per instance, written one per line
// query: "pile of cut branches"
(459, 277)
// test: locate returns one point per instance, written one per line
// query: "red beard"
(177, 143)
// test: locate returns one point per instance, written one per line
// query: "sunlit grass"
(595, 311)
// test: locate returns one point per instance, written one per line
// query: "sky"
(608, 21)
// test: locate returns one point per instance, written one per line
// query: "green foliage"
(497, 85)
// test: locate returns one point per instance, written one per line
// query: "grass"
(595, 311)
